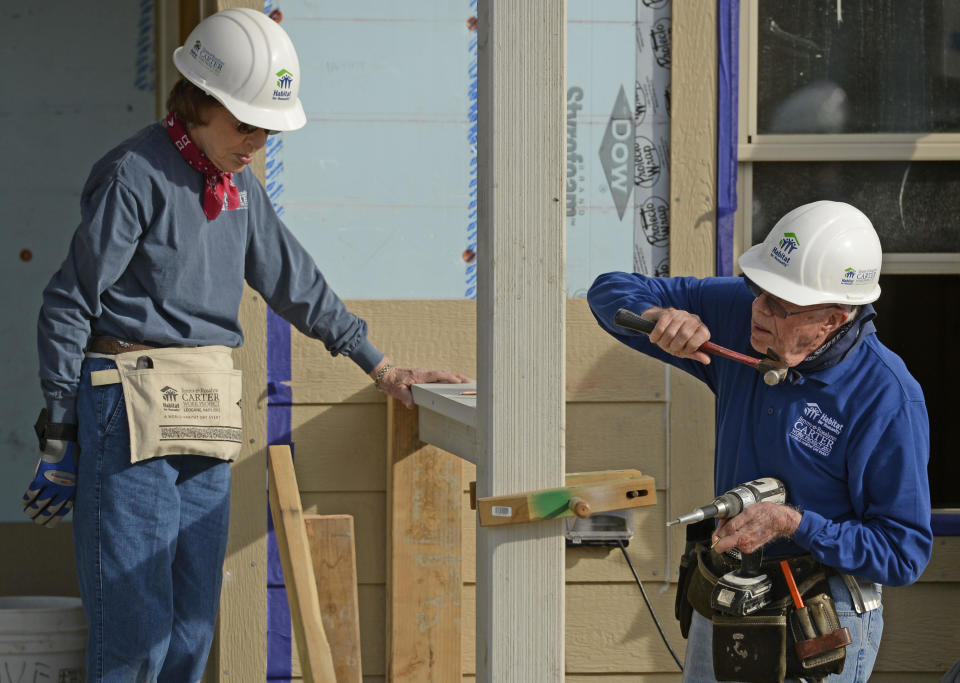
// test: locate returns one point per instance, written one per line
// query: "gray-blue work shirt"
(146, 265)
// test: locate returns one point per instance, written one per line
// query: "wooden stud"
(424, 582)
(316, 662)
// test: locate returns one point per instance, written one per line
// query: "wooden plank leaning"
(333, 548)
(316, 662)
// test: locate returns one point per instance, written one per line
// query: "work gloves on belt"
(49, 497)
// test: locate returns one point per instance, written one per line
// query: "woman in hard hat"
(135, 334)
(847, 434)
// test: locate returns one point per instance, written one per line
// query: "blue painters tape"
(472, 111)
(279, 654)
(279, 400)
(145, 64)
(279, 636)
(727, 103)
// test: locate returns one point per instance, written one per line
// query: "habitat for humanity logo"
(815, 429)
(284, 85)
(852, 276)
(616, 152)
(787, 245)
(169, 395)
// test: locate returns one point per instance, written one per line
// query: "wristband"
(58, 431)
(380, 374)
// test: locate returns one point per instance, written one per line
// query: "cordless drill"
(737, 499)
(744, 590)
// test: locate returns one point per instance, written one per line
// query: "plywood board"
(369, 512)
(423, 541)
(372, 615)
(333, 551)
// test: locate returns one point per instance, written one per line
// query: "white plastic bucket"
(42, 638)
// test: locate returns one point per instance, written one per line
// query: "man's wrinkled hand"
(679, 333)
(49, 497)
(755, 527)
(396, 382)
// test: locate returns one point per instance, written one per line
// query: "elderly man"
(847, 432)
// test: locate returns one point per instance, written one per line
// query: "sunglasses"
(773, 303)
(247, 129)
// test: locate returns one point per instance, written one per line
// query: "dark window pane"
(860, 66)
(915, 206)
(918, 319)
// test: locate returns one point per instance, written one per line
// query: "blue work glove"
(50, 495)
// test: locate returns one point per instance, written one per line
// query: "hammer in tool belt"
(770, 366)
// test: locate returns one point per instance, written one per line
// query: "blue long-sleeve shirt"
(850, 442)
(146, 265)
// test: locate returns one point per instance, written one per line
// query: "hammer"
(773, 370)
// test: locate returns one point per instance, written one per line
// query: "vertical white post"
(520, 332)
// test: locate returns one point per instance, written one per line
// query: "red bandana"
(219, 183)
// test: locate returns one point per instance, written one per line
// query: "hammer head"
(774, 370)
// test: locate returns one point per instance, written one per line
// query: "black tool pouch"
(751, 648)
(817, 644)
(780, 641)
(697, 533)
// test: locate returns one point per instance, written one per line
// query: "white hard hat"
(819, 253)
(248, 63)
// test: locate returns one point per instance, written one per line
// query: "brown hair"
(190, 102)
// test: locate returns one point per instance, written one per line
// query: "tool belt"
(179, 401)
(112, 346)
(776, 642)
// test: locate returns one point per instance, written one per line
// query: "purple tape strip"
(279, 651)
(728, 12)
(279, 654)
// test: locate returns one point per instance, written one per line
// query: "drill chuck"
(704, 512)
(733, 502)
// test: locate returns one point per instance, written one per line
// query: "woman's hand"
(396, 382)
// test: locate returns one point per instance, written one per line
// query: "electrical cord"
(653, 614)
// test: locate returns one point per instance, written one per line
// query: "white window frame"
(754, 147)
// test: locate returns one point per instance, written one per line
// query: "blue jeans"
(149, 540)
(865, 630)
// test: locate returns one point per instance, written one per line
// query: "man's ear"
(836, 319)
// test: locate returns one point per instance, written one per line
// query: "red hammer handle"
(723, 352)
(632, 321)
